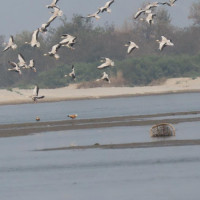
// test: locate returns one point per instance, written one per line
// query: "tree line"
(140, 67)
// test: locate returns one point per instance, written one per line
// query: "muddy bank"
(12, 130)
(166, 143)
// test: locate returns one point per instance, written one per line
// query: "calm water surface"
(149, 174)
(100, 108)
(144, 173)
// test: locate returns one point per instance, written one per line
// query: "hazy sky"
(19, 15)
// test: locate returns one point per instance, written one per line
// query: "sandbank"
(173, 85)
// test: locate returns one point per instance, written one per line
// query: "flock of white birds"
(69, 41)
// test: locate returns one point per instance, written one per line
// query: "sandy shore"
(175, 85)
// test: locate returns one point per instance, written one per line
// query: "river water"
(100, 108)
(144, 173)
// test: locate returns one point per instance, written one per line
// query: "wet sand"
(13, 130)
(166, 143)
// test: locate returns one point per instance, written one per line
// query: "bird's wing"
(172, 1)
(35, 91)
(51, 19)
(138, 13)
(55, 1)
(35, 35)
(108, 60)
(102, 66)
(103, 75)
(98, 11)
(64, 41)
(11, 40)
(165, 3)
(40, 97)
(13, 64)
(71, 38)
(31, 63)
(162, 44)
(164, 38)
(6, 48)
(21, 58)
(130, 49)
(19, 71)
(55, 47)
(64, 35)
(108, 4)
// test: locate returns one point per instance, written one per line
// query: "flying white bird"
(43, 28)
(15, 68)
(149, 18)
(170, 3)
(106, 7)
(35, 96)
(95, 15)
(152, 5)
(34, 41)
(22, 62)
(57, 12)
(53, 51)
(72, 74)
(10, 44)
(53, 4)
(68, 41)
(140, 11)
(107, 63)
(32, 65)
(104, 77)
(131, 46)
(164, 42)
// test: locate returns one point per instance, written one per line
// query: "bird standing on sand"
(164, 42)
(35, 96)
(107, 63)
(53, 51)
(104, 77)
(131, 46)
(34, 41)
(15, 68)
(106, 7)
(72, 116)
(10, 44)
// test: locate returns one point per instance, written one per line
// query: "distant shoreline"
(51, 100)
(70, 93)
